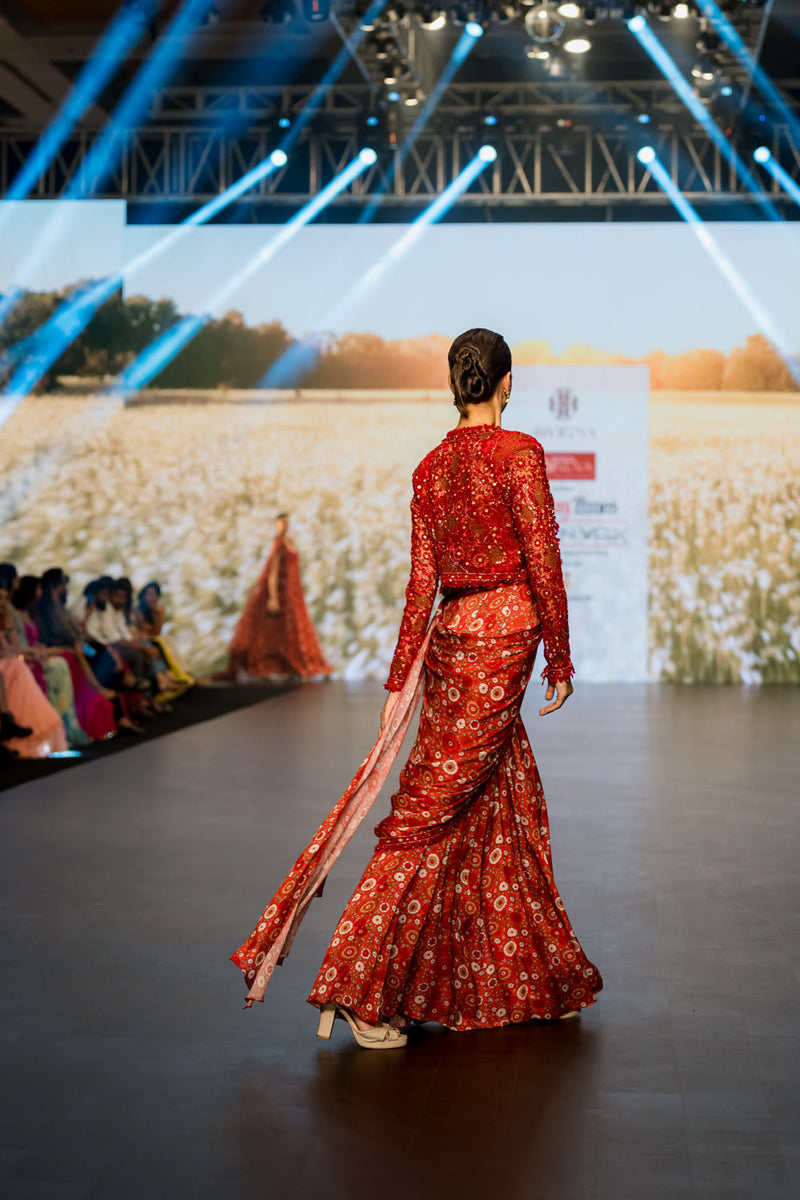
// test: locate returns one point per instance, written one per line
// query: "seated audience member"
(49, 666)
(35, 730)
(102, 673)
(108, 626)
(149, 618)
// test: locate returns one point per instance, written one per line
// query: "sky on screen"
(624, 288)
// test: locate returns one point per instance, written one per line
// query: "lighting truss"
(583, 165)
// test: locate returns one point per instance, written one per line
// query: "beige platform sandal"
(383, 1037)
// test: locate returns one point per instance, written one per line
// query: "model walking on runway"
(274, 635)
(457, 918)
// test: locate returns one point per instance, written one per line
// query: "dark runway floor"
(131, 1072)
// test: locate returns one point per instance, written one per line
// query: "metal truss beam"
(541, 164)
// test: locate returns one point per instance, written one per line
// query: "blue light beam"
(461, 51)
(108, 147)
(153, 359)
(763, 156)
(112, 49)
(760, 78)
(648, 157)
(651, 45)
(73, 315)
(300, 357)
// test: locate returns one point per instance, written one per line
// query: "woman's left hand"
(388, 708)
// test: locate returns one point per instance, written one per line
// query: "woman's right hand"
(562, 690)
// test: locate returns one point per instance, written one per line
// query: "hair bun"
(472, 380)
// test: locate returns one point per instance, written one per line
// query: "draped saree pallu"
(457, 918)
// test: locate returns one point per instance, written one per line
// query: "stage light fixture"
(726, 90)
(390, 80)
(487, 154)
(411, 101)
(473, 29)
(544, 24)
(367, 156)
(394, 97)
(284, 122)
(646, 155)
(277, 12)
(538, 53)
(279, 158)
(577, 46)
(373, 121)
(433, 20)
(761, 154)
(569, 10)
(316, 10)
(490, 119)
(637, 24)
(643, 118)
(680, 12)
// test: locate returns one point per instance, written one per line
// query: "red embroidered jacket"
(482, 514)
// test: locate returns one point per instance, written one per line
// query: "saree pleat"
(457, 918)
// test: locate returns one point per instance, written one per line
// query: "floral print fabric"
(457, 918)
(482, 514)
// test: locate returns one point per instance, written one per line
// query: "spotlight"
(390, 80)
(761, 154)
(646, 155)
(367, 156)
(490, 119)
(278, 158)
(643, 118)
(373, 120)
(680, 12)
(708, 42)
(543, 24)
(637, 24)
(564, 123)
(537, 52)
(432, 20)
(577, 46)
(284, 123)
(393, 96)
(411, 101)
(726, 90)
(473, 29)
(367, 26)
(569, 10)
(487, 154)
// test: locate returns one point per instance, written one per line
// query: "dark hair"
(8, 569)
(52, 578)
(282, 517)
(478, 360)
(144, 607)
(25, 594)
(123, 584)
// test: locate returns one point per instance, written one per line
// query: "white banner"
(593, 424)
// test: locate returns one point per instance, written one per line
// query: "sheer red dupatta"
(271, 940)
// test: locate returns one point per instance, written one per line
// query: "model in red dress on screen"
(274, 635)
(457, 918)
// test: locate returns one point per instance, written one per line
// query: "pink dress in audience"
(95, 713)
(31, 707)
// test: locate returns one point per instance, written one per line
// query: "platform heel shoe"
(383, 1037)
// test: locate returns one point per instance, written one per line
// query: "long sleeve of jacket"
(535, 521)
(420, 595)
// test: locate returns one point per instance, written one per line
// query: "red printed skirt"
(457, 918)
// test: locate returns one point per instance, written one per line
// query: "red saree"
(277, 643)
(457, 918)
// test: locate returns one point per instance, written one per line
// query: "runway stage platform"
(131, 1072)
